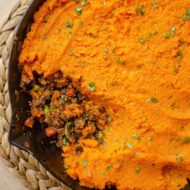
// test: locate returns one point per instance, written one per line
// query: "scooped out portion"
(110, 81)
(65, 112)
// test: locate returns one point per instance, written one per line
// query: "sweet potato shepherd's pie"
(110, 81)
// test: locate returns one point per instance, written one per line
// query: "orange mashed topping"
(137, 54)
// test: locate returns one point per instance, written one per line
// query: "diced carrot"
(29, 122)
(70, 92)
(92, 143)
(50, 132)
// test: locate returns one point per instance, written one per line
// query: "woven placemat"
(21, 164)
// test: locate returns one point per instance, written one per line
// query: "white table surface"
(7, 180)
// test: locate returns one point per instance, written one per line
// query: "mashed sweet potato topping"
(135, 57)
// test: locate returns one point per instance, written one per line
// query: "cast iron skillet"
(33, 140)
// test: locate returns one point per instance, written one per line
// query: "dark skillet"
(33, 141)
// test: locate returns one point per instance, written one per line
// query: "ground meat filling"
(64, 111)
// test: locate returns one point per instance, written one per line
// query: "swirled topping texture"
(134, 58)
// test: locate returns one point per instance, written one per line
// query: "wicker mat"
(21, 164)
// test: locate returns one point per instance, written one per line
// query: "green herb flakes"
(173, 29)
(179, 159)
(107, 128)
(80, 23)
(84, 2)
(86, 114)
(68, 124)
(78, 10)
(63, 97)
(140, 10)
(142, 40)
(136, 137)
(64, 141)
(180, 54)
(153, 33)
(91, 86)
(153, 100)
(108, 167)
(118, 60)
(108, 119)
(84, 163)
(137, 169)
(113, 12)
(69, 24)
(36, 88)
(114, 51)
(166, 35)
(186, 140)
(155, 4)
(186, 16)
(129, 146)
(71, 52)
(46, 110)
(102, 172)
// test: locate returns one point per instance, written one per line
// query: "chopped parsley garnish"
(142, 40)
(68, 124)
(69, 35)
(114, 51)
(80, 23)
(186, 16)
(108, 128)
(84, 163)
(173, 29)
(155, 4)
(118, 60)
(152, 33)
(153, 100)
(108, 167)
(113, 12)
(129, 146)
(71, 52)
(186, 140)
(78, 10)
(102, 172)
(57, 31)
(86, 114)
(108, 119)
(137, 169)
(64, 141)
(84, 2)
(91, 86)
(69, 24)
(179, 159)
(166, 35)
(101, 136)
(140, 10)
(137, 137)
(36, 87)
(180, 54)
(171, 33)
(46, 110)
(63, 97)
